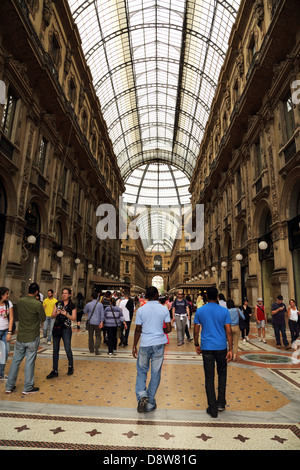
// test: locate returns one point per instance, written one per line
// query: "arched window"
(157, 263)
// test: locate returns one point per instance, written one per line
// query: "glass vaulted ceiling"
(155, 66)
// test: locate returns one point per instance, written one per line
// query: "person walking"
(30, 314)
(216, 331)
(293, 316)
(181, 313)
(199, 301)
(235, 315)
(127, 307)
(64, 313)
(113, 319)
(261, 319)
(222, 300)
(151, 333)
(95, 314)
(245, 324)
(48, 305)
(6, 328)
(279, 312)
(163, 301)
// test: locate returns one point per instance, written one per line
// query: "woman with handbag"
(64, 313)
(113, 320)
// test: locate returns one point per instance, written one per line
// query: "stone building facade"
(57, 164)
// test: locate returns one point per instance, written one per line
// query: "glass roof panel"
(155, 67)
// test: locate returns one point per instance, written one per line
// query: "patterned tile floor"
(96, 407)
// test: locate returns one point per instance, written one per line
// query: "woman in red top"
(261, 319)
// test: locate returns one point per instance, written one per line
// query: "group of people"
(57, 317)
(111, 315)
(221, 324)
(220, 321)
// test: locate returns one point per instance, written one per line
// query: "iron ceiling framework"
(155, 66)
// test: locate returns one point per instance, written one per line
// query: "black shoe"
(70, 371)
(213, 415)
(221, 408)
(52, 375)
(142, 403)
(33, 390)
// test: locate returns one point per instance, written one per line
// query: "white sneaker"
(244, 341)
(264, 341)
(259, 339)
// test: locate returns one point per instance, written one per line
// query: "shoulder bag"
(89, 319)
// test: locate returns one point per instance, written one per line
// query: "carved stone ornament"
(47, 12)
(259, 12)
(33, 6)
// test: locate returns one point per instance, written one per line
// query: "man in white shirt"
(126, 315)
(150, 321)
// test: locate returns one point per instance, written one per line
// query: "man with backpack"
(180, 314)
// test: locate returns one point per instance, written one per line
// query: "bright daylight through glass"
(155, 67)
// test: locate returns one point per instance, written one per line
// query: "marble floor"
(95, 408)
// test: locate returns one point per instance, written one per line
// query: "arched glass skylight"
(162, 191)
(155, 66)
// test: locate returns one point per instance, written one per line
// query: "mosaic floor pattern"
(96, 407)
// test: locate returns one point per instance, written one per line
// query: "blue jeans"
(48, 323)
(147, 355)
(66, 337)
(29, 351)
(4, 345)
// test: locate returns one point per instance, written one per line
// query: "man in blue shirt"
(152, 322)
(216, 332)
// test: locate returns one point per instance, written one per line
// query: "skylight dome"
(155, 67)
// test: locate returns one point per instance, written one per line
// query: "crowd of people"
(110, 315)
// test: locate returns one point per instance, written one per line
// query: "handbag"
(89, 319)
(119, 329)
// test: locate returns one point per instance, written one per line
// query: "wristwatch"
(196, 345)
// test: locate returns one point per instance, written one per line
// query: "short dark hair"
(151, 292)
(94, 295)
(3, 291)
(50, 290)
(107, 293)
(279, 297)
(68, 289)
(230, 303)
(33, 287)
(212, 293)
